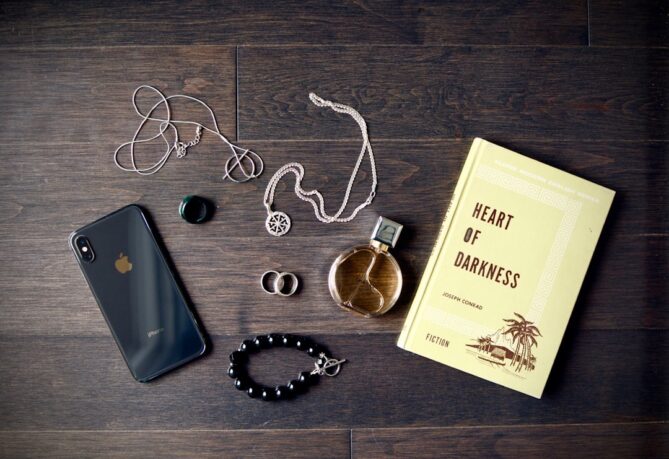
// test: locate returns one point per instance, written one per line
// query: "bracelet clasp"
(324, 363)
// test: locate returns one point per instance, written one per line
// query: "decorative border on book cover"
(571, 210)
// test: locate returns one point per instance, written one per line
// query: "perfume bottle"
(366, 278)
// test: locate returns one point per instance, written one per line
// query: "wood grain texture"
(75, 383)
(443, 92)
(40, 23)
(74, 95)
(629, 23)
(177, 443)
(428, 76)
(627, 440)
(221, 262)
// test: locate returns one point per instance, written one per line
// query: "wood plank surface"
(442, 92)
(40, 23)
(177, 443)
(74, 95)
(627, 440)
(75, 383)
(221, 262)
(629, 23)
(630, 440)
(581, 85)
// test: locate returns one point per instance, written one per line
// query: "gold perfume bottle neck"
(381, 247)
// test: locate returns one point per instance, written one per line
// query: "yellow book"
(504, 274)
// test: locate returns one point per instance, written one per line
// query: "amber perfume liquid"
(367, 279)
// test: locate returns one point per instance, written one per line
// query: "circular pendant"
(277, 223)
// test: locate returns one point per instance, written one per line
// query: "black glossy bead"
(260, 342)
(242, 383)
(302, 344)
(313, 350)
(238, 357)
(281, 392)
(306, 378)
(254, 391)
(247, 346)
(295, 387)
(235, 371)
(268, 394)
(274, 339)
(288, 340)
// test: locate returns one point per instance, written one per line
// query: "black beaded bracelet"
(324, 366)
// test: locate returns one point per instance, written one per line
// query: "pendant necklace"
(278, 223)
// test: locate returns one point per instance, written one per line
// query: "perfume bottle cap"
(386, 231)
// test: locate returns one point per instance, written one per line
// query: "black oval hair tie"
(195, 209)
(324, 366)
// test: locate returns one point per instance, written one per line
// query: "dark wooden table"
(578, 84)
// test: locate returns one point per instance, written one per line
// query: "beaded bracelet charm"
(324, 366)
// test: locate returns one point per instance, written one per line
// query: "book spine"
(460, 187)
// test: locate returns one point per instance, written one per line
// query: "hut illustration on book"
(510, 346)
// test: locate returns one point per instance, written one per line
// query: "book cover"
(506, 269)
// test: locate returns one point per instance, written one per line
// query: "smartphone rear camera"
(84, 249)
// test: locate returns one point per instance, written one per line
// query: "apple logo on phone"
(122, 264)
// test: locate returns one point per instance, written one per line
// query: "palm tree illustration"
(524, 335)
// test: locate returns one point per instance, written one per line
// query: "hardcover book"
(507, 266)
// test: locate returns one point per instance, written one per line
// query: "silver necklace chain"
(247, 164)
(278, 223)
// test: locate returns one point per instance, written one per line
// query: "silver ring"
(263, 280)
(279, 284)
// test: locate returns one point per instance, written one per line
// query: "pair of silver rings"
(276, 283)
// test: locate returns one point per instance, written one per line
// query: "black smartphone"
(138, 293)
